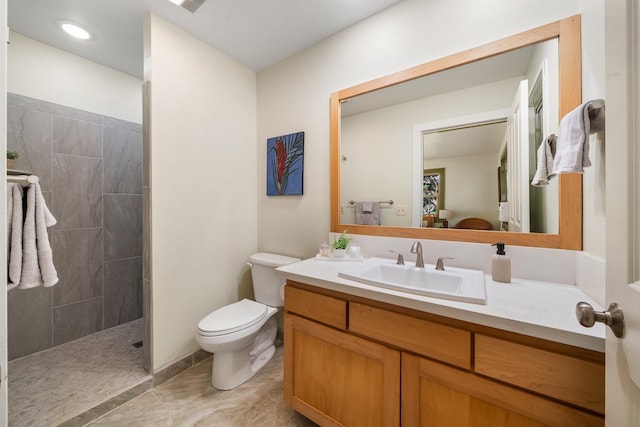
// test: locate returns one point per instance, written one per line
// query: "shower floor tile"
(54, 385)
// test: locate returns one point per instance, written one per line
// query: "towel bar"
(25, 180)
(595, 104)
(351, 202)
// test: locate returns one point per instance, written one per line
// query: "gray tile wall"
(90, 169)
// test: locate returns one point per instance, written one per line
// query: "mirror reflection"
(479, 125)
(377, 161)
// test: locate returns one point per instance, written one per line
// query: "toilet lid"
(232, 318)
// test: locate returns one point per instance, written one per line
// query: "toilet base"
(230, 369)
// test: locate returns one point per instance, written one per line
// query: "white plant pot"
(338, 253)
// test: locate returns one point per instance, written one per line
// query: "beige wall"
(203, 183)
(37, 70)
(294, 94)
(593, 87)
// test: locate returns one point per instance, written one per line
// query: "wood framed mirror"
(569, 212)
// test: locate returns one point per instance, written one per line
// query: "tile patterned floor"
(188, 399)
(52, 386)
(72, 384)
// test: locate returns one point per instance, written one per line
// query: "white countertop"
(538, 309)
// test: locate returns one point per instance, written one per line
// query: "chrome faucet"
(416, 248)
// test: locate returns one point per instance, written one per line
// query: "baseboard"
(178, 366)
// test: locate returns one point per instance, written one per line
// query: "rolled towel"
(546, 153)
(573, 137)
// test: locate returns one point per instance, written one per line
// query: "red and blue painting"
(285, 161)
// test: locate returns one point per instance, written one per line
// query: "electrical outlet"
(341, 209)
(401, 210)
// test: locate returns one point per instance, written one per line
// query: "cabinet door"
(436, 395)
(566, 378)
(337, 379)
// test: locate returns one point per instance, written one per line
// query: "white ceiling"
(500, 67)
(257, 33)
(464, 142)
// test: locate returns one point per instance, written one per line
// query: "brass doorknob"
(613, 317)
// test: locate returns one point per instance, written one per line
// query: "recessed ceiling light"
(74, 30)
(178, 2)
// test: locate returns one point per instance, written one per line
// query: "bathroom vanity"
(361, 355)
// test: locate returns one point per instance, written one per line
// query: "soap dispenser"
(501, 265)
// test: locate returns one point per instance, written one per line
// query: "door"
(3, 254)
(518, 160)
(622, 198)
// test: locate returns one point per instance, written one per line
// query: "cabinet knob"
(613, 317)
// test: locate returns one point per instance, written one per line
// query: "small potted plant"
(340, 245)
(11, 159)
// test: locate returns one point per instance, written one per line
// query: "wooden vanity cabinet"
(355, 362)
(437, 395)
(337, 379)
(332, 377)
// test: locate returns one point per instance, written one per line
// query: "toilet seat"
(232, 318)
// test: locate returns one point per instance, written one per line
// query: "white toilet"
(242, 334)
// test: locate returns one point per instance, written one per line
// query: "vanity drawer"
(445, 343)
(321, 308)
(556, 375)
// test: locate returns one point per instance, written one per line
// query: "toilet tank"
(266, 280)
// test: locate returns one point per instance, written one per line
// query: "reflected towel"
(546, 153)
(14, 233)
(37, 258)
(573, 137)
(367, 207)
(368, 218)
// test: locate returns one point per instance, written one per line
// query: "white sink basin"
(458, 284)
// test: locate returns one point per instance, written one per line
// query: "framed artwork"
(502, 178)
(432, 192)
(285, 161)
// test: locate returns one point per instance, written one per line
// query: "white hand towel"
(546, 153)
(44, 220)
(14, 233)
(37, 259)
(573, 137)
(30, 276)
(367, 207)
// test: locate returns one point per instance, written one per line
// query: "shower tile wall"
(90, 169)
